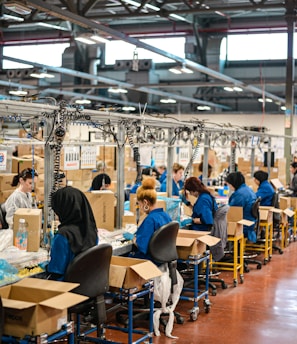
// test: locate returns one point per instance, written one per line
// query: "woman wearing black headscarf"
(242, 196)
(77, 231)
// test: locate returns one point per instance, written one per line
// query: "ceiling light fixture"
(267, 100)
(41, 74)
(117, 90)
(90, 38)
(14, 6)
(203, 107)
(10, 17)
(167, 101)
(128, 108)
(233, 89)
(82, 101)
(18, 92)
(180, 70)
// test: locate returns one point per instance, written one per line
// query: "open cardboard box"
(34, 306)
(276, 183)
(236, 222)
(284, 202)
(129, 273)
(193, 243)
(266, 213)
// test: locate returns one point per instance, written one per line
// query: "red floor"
(262, 310)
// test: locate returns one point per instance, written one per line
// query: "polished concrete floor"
(262, 310)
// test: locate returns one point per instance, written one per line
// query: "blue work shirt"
(163, 176)
(135, 187)
(153, 221)
(266, 192)
(245, 197)
(204, 208)
(175, 187)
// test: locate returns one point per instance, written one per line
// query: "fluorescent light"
(283, 108)
(237, 89)
(175, 70)
(180, 70)
(10, 17)
(175, 16)
(267, 100)
(83, 101)
(18, 92)
(167, 101)
(203, 107)
(137, 4)
(228, 89)
(117, 90)
(41, 74)
(17, 8)
(128, 108)
(99, 38)
(186, 70)
(84, 39)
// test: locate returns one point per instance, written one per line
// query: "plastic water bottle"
(21, 238)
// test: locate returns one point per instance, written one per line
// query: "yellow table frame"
(237, 264)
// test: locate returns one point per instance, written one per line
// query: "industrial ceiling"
(201, 21)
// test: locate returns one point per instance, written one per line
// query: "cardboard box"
(102, 203)
(34, 306)
(6, 180)
(266, 213)
(131, 272)
(276, 183)
(33, 218)
(293, 203)
(284, 202)
(192, 243)
(236, 222)
(19, 164)
(5, 194)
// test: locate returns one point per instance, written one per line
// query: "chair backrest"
(275, 201)
(256, 213)
(91, 270)
(162, 246)
(4, 224)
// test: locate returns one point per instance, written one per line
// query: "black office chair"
(276, 224)
(91, 270)
(162, 248)
(249, 256)
(3, 223)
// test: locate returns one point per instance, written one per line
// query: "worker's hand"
(128, 236)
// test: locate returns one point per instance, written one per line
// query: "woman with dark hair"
(265, 189)
(242, 196)
(177, 180)
(101, 182)
(204, 207)
(156, 217)
(22, 195)
(293, 183)
(77, 230)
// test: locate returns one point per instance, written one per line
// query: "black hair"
(261, 176)
(236, 179)
(25, 174)
(100, 180)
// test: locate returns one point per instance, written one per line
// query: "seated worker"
(209, 171)
(101, 182)
(162, 169)
(204, 207)
(265, 189)
(177, 182)
(293, 183)
(147, 172)
(22, 195)
(156, 217)
(243, 196)
(77, 230)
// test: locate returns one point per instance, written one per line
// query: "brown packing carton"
(128, 219)
(38, 162)
(5, 194)
(284, 202)
(266, 213)
(192, 243)
(293, 203)
(102, 203)
(129, 273)
(33, 218)
(6, 180)
(276, 183)
(19, 164)
(34, 306)
(236, 222)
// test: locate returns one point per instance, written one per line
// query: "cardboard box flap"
(183, 241)
(117, 276)
(276, 183)
(146, 270)
(209, 240)
(39, 283)
(191, 233)
(264, 214)
(63, 301)
(246, 222)
(234, 214)
(17, 304)
(289, 212)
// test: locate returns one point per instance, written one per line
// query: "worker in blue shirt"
(242, 196)
(265, 189)
(156, 217)
(177, 180)
(162, 169)
(204, 207)
(77, 230)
